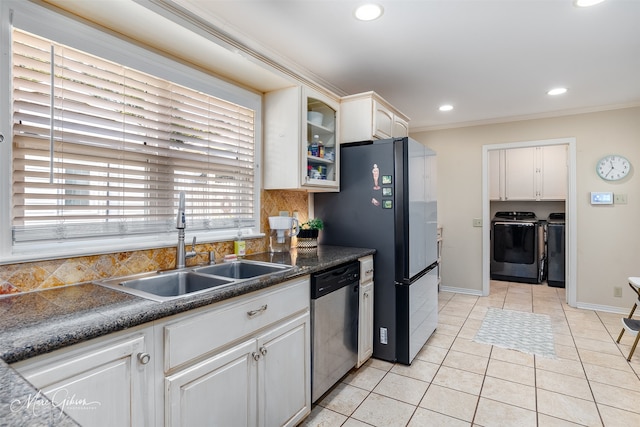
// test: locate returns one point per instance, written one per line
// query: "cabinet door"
(496, 174)
(365, 323)
(382, 121)
(520, 176)
(400, 127)
(320, 141)
(104, 386)
(284, 380)
(220, 391)
(553, 172)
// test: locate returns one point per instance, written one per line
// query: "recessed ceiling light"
(586, 3)
(446, 107)
(368, 12)
(557, 91)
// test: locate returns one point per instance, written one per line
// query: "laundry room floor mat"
(517, 330)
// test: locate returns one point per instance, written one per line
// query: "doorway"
(569, 206)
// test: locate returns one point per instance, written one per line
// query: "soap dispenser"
(239, 245)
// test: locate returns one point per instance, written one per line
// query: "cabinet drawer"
(189, 338)
(366, 269)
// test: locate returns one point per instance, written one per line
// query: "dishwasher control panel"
(327, 281)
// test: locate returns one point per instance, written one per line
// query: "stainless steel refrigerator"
(387, 201)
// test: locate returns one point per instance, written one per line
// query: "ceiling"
(493, 60)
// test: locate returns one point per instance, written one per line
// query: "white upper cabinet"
(301, 140)
(529, 173)
(368, 116)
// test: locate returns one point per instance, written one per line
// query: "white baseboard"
(605, 308)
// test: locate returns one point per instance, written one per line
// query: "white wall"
(608, 236)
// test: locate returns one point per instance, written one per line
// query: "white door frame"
(570, 211)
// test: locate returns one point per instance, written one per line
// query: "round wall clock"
(613, 167)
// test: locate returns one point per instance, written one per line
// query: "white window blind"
(100, 149)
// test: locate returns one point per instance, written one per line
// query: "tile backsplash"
(24, 277)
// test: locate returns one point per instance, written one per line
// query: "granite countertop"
(38, 322)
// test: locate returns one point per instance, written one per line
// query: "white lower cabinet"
(259, 382)
(104, 382)
(219, 391)
(246, 363)
(365, 311)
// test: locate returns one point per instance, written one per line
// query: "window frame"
(74, 33)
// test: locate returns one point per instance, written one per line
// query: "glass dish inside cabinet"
(321, 141)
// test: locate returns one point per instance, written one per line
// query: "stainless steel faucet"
(181, 255)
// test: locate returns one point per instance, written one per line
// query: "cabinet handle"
(263, 350)
(258, 311)
(366, 294)
(144, 358)
(256, 356)
(369, 271)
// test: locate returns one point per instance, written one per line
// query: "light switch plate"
(620, 198)
(477, 222)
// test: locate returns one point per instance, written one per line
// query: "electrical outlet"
(620, 198)
(477, 222)
(617, 292)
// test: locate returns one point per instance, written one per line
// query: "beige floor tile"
(424, 417)
(419, 369)
(465, 299)
(615, 377)
(352, 422)
(586, 343)
(565, 384)
(493, 414)
(566, 352)
(598, 335)
(471, 347)
(511, 372)
(322, 417)
(614, 417)
(450, 402)
(383, 365)
(568, 408)
(365, 378)
(604, 359)
(467, 362)
(402, 388)
(478, 313)
(616, 397)
(512, 356)
(449, 319)
(440, 340)
(445, 329)
(563, 338)
(458, 379)
(509, 392)
(344, 399)
(561, 366)
(547, 421)
(381, 411)
(518, 307)
(431, 353)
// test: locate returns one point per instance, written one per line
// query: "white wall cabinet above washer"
(529, 173)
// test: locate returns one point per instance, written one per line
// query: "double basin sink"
(168, 285)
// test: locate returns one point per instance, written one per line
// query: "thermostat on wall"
(601, 198)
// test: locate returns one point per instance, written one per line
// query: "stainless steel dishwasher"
(334, 325)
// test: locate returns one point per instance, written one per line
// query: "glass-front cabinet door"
(301, 140)
(321, 150)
